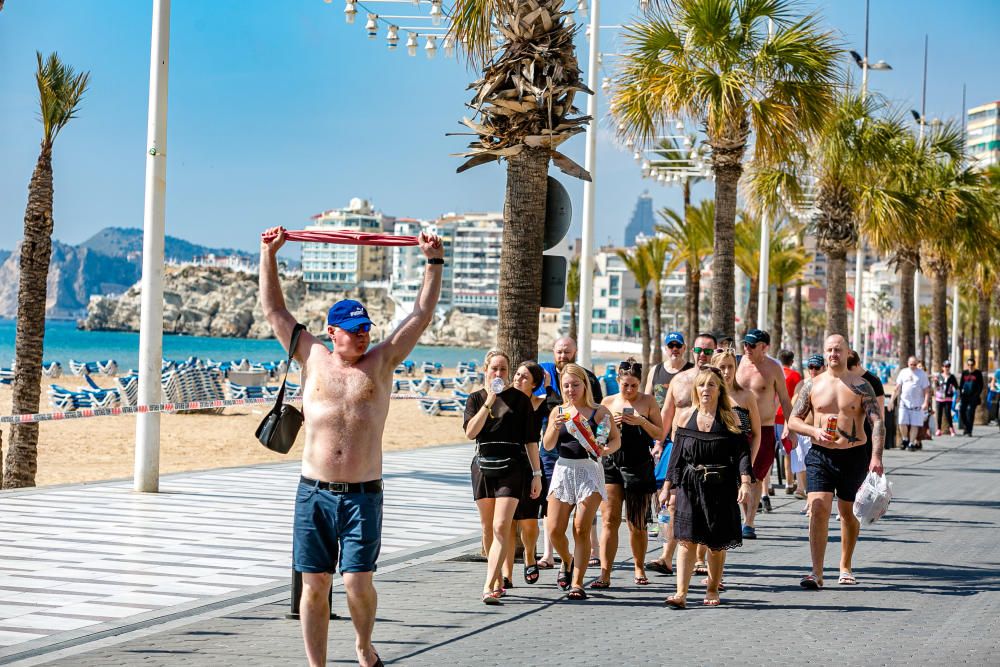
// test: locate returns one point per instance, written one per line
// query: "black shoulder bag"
(278, 430)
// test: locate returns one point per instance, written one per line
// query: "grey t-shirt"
(661, 380)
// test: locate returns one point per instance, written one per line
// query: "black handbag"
(278, 429)
(495, 459)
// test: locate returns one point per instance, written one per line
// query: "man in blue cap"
(338, 508)
(674, 361)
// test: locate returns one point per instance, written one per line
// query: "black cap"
(755, 336)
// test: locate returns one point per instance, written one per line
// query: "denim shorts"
(334, 529)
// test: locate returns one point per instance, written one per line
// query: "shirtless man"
(338, 506)
(677, 398)
(837, 462)
(763, 376)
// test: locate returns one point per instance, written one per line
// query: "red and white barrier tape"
(84, 413)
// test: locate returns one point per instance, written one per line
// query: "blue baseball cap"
(755, 336)
(816, 360)
(348, 315)
(674, 337)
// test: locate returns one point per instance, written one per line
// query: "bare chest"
(837, 397)
(751, 378)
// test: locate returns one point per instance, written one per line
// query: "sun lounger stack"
(63, 399)
(465, 367)
(430, 367)
(405, 368)
(128, 388)
(460, 395)
(442, 406)
(468, 381)
(275, 369)
(51, 369)
(6, 375)
(108, 367)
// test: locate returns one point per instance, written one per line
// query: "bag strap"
(299, 328)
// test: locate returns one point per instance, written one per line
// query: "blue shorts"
(328, 525)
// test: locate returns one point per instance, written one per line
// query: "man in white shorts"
(913, 388)
(814, 366)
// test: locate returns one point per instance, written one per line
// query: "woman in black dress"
(710, 468)
(628, 473)
(501, 425)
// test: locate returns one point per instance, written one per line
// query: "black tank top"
(744, 416)
(568, 446)
(661, 380)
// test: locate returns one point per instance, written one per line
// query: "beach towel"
(346, 237)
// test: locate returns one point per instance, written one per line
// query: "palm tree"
(656, 253)
(747, 256)
(639, 267)
(715, 62)
(60, 91)
(787, 264)
(524, 104)
(850, 158)
(573, 292)
(691, 238)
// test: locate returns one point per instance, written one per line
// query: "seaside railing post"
(147, 431)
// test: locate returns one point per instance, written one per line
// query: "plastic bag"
(873, 498)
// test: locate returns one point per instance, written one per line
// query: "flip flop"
(700, 568)
(810, 583)
(564, 576)
(594, 562)
(847, 579)
(545, 564)
(576, 594)
(378, 661)
(600, 583)
(711, 603)
(491, 598)
(531, 574)
(676, 602)
(640, 581)
(659, 566)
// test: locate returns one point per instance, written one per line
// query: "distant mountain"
(121, 241)
(108, 263)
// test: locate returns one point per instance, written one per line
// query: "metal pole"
(859, 252)
(590, 159)
(764, 272)
(147, 429)
(955, 352)
(918, 338)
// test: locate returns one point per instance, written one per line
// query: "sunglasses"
(630, 367)
(813, 367)
(675, 346)
(361, 328)
(705, 350)
(750, 346)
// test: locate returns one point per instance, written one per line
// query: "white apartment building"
(335, 266)
(983, 138)
(408, 263)
(476, 258)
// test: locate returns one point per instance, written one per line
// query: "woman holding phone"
(628, 473)
(582, 431)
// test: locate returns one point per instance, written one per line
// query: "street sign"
(558, 214)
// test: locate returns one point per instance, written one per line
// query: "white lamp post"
(590, 160)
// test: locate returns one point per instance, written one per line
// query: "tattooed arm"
(873, 413)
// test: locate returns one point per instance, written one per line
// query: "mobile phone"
(628, 411)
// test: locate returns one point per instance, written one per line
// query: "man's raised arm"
(402, 341)
(271, 298)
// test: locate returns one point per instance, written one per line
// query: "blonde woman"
(710, 454)
(582, 432)
(501, 424)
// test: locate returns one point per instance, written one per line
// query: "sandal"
(847, 579)
(676, 601)
(711, 602)
(659, 566)
(577, 594)
(491, 598)
(507, 583)
(531, 574)
(564, 576)
(600, 583)
(811, 583)
(640, 581)
(544, 564)
(700, 568)
(594, 562)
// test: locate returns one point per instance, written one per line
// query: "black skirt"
(515, 483)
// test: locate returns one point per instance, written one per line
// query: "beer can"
(831, 425)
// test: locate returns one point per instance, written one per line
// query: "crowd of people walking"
(694, 446)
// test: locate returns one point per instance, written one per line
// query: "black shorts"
(836, 470)
(612, 473)
(533, 508)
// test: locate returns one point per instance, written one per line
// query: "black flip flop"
(530, 574)
(564, 577)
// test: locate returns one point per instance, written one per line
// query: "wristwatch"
(435, 260)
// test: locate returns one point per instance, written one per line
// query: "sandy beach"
(100, 448)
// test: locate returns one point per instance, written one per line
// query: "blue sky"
(279, 110)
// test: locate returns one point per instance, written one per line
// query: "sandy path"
(83, 450)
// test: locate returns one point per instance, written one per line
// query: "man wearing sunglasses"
(675, 362)
(763, 376)
(338, 508)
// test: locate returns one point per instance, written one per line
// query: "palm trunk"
(521, 254)
(778, 330)
(694, 321)
(572, 320)
(690, 303)
(983, 348)
(907, 341)
(939, 313)
(657, 342)
(36, 250)
(836, 292)
(644, 326)
(797, 325)
(727, 176)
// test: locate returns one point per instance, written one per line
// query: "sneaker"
(749, 533)
(766, 501)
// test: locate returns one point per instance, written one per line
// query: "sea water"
(63, 341)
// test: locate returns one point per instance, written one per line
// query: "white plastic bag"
(873, 498)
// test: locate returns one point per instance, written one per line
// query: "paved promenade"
(929, 576)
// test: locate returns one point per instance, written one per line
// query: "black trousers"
(968, 415)
(944, 415)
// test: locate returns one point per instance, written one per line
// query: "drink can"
(831, 425)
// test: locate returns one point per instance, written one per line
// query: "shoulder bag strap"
(299, 328)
